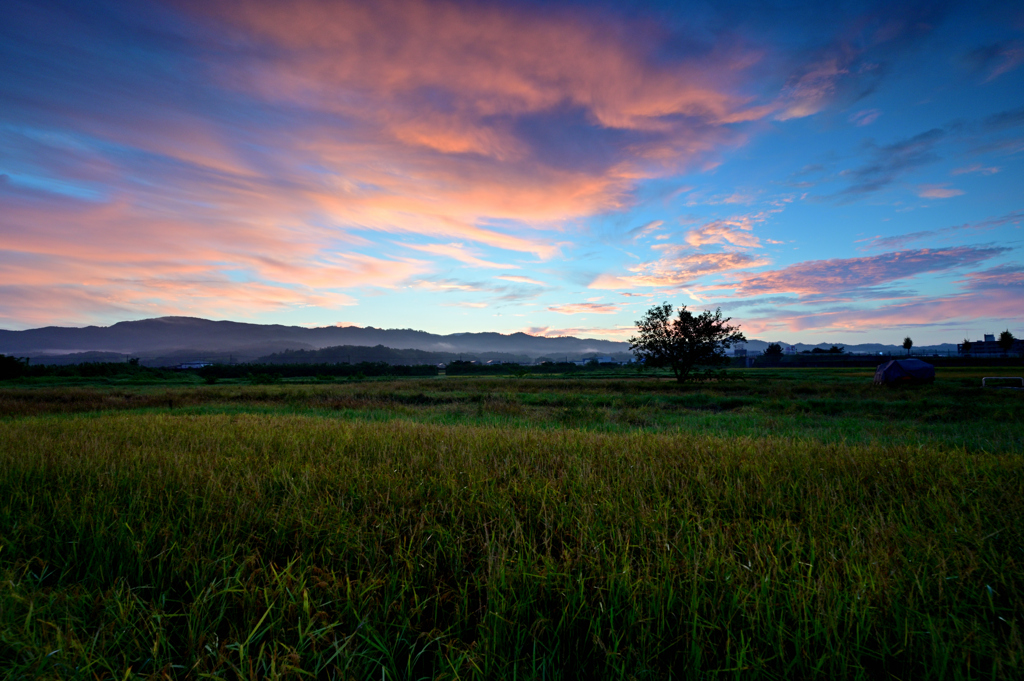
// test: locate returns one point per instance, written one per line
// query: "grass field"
(786, 524)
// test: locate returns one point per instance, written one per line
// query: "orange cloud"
(438, 90)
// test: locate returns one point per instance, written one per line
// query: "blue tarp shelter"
(902, 371)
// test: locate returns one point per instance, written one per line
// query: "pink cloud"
(975, 168)
(464, 158)
(585, 308)
(866, 117)
(119, 258)
(730, 231)
(1010, 57)
(838, 275)
(677, 270)
(1001, 277)
(811, 91)
(613, 333)
(460, 253)
(520, 280)
(901, 240)
(929, 311)
(398, 117)
(937, 191)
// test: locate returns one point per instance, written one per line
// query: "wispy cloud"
(865, 117)
(922, 311)
(1005, 119)
(520, 280)
(615, 332)
(996, 59)
(938, 191)
(893, 160)
(448, 285)
(975, 168)
(459, 252)
(810, 91)
(644, 229)
(901, 240)
(585, 308)
(735, 231)
(1010, 277)
(840, 275)
(677, 270)
(467, 125)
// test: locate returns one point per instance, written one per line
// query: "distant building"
(193, 365)
(990, 348)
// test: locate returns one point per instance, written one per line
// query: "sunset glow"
(821, 175)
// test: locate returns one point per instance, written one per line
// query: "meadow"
(790, 523)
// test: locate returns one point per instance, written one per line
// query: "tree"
(1006, 341)
(966, 346)
(773, 351)
(685, 341)
(12, 367)
(907, 344)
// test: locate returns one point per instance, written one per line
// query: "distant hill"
(169, 340)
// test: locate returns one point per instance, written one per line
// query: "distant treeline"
(854, 361)
(356, 354)
(362, 369)
(15, 367)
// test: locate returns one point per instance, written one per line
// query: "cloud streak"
(891, 161)
(676, 270)
(841, 275)
(901, 240)
(584, 308)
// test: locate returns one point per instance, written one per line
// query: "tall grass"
(268, 546)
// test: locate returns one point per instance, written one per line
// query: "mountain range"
(171, 340)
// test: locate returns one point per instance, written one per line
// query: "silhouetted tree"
(907, 344)
(965, 347)
(1006, 341)
(685, 341)
(12, 367)
(773, 351)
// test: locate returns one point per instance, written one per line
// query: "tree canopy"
(685, 341)
(1006, 341)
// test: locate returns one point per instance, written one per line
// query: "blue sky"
(823, 172)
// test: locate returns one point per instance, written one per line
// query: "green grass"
(790, 525)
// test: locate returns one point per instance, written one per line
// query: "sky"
(821, 171)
